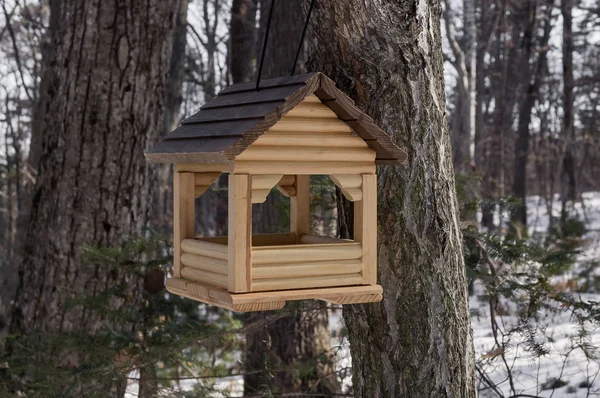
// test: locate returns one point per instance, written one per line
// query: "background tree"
(23, 41)
(533, 72)
(464, 62)
(568, 183)
(105, 96)
(417, 341)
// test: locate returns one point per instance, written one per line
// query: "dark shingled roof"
(234, 119)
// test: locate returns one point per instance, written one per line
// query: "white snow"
(566, 359)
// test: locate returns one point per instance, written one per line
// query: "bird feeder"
(276, 136)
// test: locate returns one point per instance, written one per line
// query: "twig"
(16, 50)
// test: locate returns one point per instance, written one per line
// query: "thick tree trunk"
(417, 342)
(105, 91)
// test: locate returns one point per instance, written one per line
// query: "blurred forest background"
(522, 81)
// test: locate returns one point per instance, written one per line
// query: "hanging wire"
(312, 3)
(264, 49)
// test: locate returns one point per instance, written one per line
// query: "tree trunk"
(8, 285)
(463, 142)
(417, 342)
(242, 37)
(568, 184)
(519, 213)
(105, 93)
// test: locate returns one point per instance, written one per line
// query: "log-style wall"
(204, 262)
(309, 139)
(277, 263)
(315, 262)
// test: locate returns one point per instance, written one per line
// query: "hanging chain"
(264, 48)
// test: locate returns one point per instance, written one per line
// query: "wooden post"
(365, 227)
(183, 215)
(300, 207)
(240, 233)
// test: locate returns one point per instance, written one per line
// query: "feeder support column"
(240, 233)
(183, 215)
(365, 227)
(300, 207)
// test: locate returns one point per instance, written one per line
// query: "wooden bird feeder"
(276, 137)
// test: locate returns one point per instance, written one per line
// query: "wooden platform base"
(264, 301)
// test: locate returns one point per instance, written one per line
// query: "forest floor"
(567, 371)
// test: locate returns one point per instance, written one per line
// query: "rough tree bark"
(105, 91)
(290, 349)
(417, 342)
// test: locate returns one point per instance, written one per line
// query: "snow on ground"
(531, 377)
(566, 360)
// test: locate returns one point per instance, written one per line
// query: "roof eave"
(192, 157)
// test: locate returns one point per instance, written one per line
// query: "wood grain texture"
(211, 278)
(280, 254)
(205, 293)
(295, 139)
(257, 239)
(205, 263)
(300, 270)
(183, 215)
(307, 154)
(349, 184)
(240, 232)
(264, 301)
(287, 186)
(203, 181)
(208, 249)
(262, 185)
(303, 168)
(303, 294)
(314, 239)
(300, 223)
(306, 282)
(365, 227)
(226, 126)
